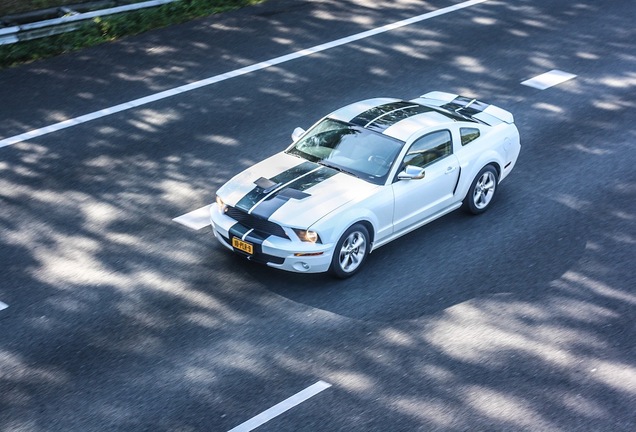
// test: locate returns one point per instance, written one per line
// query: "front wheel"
(482, 190)
(351, 251)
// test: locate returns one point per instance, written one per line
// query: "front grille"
(259, 224)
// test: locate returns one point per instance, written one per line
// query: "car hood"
(291, 191)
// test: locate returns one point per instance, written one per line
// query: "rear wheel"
(482, 190)
(351, 252)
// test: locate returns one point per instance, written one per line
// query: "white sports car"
(364, 175)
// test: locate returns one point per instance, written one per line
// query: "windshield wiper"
(337, 168)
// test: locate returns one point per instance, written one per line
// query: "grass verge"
(109, 28)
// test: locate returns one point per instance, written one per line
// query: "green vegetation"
(112, 27)
(8, 7)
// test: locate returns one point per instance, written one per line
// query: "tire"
(351, 252)
(482, 191)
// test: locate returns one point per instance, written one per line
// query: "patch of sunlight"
(175, 191)
(150, 120)
(71, 261)
(283, 41)
(428, 44)
(199, 375)
(620, 376)
(123, 239)
(68, 304)
(505, 407)
(519, 33)
(131, 309)
(548, 107)
(25, 172)
(470, 64)
(225, 27)
(100, 213)
(410, 51)
(484, 20)
(13, 368)
(371, 51)
(476, 334)
(381, 72)
(587, 56)
(21, 425)
(589, 150)
(429, 410)
(107, 130)
(583, 406)
(599, 287)
(159, 282)
(534, 23)
(437, 373)
(160, 50)
(621, 82)
(623, 215)
(396, 337)
(239, 355)
(608, 105)
(290, 97)
(573, 202)
(56, 116)
(202, 320)
(623, 238)
(352, 381)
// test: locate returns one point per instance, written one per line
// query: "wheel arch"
(337, 224)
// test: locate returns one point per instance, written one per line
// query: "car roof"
(396, 118)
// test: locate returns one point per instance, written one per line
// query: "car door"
(419, 199)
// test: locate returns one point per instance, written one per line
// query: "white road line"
(548, 79)
(280, 408)
(232, 74)
(196, 219)
(3, 305)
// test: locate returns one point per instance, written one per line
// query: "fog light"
(301, 266)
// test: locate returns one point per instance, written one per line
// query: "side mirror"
(411, 172)
(297, 133)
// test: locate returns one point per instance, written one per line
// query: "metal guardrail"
(67, 23)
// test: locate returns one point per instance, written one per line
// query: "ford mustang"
(363, 176)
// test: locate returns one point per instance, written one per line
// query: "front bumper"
(273, 251)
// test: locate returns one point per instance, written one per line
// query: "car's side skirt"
(413, 227)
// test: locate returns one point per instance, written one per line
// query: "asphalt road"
(120, 319)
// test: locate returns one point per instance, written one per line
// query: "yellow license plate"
(241, 245)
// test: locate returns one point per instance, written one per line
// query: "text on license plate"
(241, 245)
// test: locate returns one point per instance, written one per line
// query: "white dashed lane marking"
(232, 74)
(196, 219)
(281, 407)
(548, 79)
(3, 305)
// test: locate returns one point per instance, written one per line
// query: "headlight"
(307, 236)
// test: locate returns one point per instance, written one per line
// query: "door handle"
(449, 170)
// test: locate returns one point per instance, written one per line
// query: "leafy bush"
(108, 28)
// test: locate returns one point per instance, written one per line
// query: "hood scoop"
(267, 185)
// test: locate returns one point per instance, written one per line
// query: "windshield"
(349, 148)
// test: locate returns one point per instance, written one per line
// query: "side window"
(468, 135)
(428, 149)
